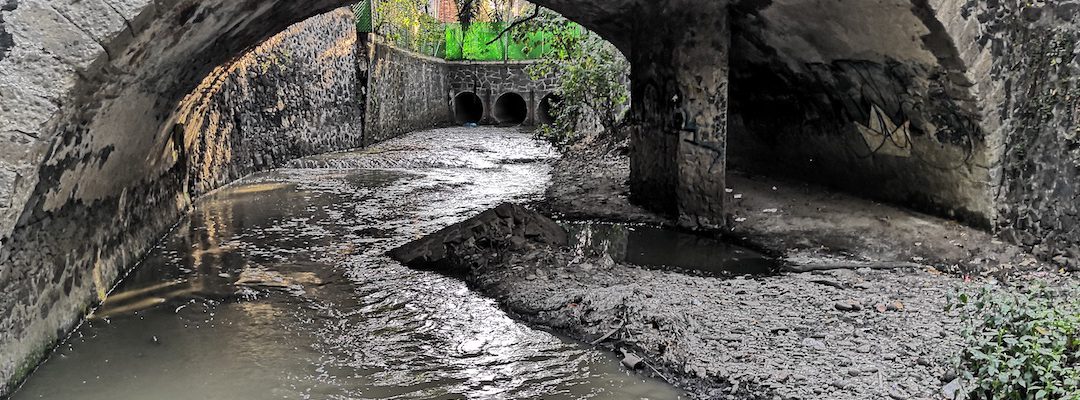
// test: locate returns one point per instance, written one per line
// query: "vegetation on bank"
(1020, 345)
(593, 89)
(478, 32)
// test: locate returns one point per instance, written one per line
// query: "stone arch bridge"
(965, 108)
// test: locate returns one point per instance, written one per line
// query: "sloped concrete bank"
(794, 221)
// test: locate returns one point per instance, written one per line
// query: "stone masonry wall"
(407, 92)
(294, 95)
(493, 79)
(1038, 183)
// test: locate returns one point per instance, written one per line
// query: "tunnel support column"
(679, 78)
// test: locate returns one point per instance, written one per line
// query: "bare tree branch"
(535, 13)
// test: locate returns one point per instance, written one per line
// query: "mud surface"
(850, 333)
(793, 220)
(839, 334)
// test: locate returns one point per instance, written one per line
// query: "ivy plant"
(1020, 344)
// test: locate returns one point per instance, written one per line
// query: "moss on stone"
(28, 364)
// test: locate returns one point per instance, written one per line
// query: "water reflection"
(278, 287)
(655, 247)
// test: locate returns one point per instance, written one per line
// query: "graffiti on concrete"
(885, 137)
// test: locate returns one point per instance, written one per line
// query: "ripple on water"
(278, 287)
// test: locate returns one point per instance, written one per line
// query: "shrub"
(1020, 345)
(593, 78)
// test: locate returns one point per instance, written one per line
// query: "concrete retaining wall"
(890, 116)
(410, 91)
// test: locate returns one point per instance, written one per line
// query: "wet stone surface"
(278, 287)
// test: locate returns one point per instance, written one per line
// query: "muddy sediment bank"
(798, 222)
(826, 334)
(846, 328)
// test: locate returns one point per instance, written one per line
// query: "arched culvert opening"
(545, 112)
(511, 109)
(468, 108)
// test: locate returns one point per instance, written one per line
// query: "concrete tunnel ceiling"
(90, 88)
(871, 86)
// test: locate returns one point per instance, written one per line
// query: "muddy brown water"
(667, 249)
(277, 287)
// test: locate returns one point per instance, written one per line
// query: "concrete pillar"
(679, 81)
(530, 106)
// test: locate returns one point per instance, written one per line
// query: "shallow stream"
(277, 287)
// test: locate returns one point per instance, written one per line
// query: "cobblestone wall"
(408, 92)
(491, 80)
(296, 94)
(1038, 173)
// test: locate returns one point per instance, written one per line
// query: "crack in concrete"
(127, 22)
(83, 30)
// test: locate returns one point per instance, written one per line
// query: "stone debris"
(467, 244)
(631, 361)
(951, 390)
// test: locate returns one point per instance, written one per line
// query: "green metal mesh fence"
(362, 12)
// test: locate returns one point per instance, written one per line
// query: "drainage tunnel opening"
(511, 109)
(545, 112)
(468, 108)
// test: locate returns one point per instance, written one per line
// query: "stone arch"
(468, 108)
(510, 109)
(95, 163)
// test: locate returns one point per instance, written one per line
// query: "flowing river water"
(277, 287)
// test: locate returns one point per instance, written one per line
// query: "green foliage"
(1020, 345)
(593, 77)
(484, 42)
(406, 24)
